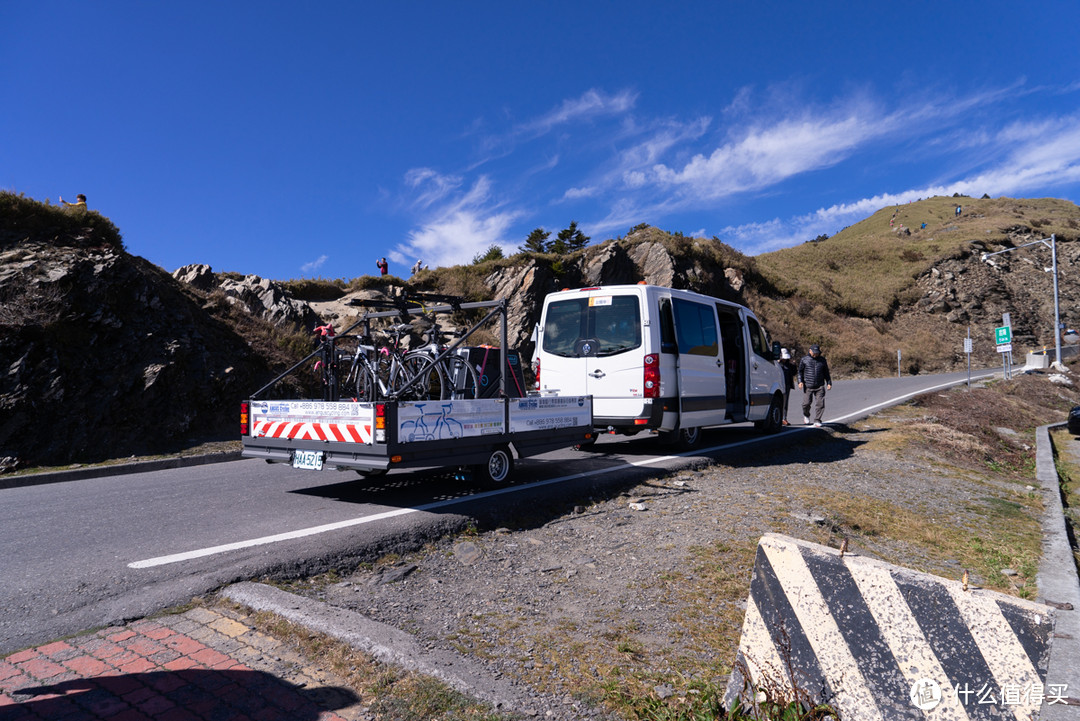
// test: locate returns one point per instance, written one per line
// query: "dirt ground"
(635, 601)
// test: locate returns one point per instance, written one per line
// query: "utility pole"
(1050, 243)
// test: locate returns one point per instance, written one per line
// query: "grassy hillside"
(868, 269)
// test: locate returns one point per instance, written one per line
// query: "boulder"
(610, 266)
(267, 299)
(525, 288)
(655, 264)
(197, 275)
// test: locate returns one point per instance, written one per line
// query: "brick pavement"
(204, 664)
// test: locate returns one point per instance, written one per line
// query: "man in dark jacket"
(814, 380)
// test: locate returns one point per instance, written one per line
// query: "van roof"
(645, 287)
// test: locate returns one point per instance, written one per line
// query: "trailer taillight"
(245, 417)
(652, 375)
(380, 423)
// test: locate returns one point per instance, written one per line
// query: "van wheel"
(498, 467)
(774, 420)
(373, 473)
(683, 439)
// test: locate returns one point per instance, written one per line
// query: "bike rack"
(399, 307)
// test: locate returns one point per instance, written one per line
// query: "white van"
(659, 359)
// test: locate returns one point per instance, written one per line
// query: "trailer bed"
(373, 438)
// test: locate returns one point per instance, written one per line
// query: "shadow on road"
(603, 471)
(194, 694)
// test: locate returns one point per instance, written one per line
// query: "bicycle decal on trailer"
(432, 425)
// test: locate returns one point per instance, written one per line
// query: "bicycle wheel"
(365, 383)
(430, 384)
(462, 381)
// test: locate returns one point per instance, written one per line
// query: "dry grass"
(392, 694)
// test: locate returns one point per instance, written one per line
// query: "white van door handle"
(598, 373)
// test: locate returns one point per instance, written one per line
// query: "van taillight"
(245, 417)
(652, 375)
(537, 374)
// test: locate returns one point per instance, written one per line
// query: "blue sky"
(296, 140)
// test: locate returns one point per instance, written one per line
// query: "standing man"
(383, 266)
(814, 380)
(787, 365)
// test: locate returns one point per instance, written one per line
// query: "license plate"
(308, 460)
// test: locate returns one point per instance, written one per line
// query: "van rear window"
(575, 327)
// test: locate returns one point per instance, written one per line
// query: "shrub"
(315, 290)
(23, 218)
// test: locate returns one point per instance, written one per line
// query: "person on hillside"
(814, 380)
(383, 266)
(416, 268)
(79, 204)
(787, 365)
(959, 209)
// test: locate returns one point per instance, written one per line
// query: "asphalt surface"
(206, 664)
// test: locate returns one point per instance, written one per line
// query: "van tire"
(498, 467)
(683, 439)
(774, 420)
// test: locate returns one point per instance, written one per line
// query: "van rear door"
(592, 345)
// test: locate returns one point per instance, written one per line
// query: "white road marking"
(315, 530)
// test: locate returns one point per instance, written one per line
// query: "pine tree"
(571, 238)
(537, 242)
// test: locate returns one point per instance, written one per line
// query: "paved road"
(94, 552)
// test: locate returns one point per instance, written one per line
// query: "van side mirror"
(776, 350)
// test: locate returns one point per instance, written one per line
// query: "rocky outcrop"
(656, 265)
(104, 356)
(261, 297)
(525, 288)
(611, 265)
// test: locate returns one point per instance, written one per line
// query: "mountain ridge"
(107, 355)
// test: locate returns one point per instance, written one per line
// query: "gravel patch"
(642, 594)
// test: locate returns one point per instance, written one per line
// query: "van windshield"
(596, 326)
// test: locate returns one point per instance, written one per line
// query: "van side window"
(667, 328)
(758, 341)
(695, 328)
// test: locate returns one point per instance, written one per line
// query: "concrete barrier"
(879, 642)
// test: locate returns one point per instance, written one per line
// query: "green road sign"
(1003, 335)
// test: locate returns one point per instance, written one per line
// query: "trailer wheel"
(498, 467)
(774, 421)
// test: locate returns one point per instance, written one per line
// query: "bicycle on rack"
(375, 371)
(440, 376)
(415, 375)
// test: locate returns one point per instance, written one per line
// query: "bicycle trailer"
(372, 438)
(462, 430)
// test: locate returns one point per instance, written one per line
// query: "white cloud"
(314, 265)
(591, 104)
(457, 231)
(577, 193)
(766, 155)
(432, 186)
